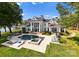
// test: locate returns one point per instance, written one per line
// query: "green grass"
(68, 49)
(56, 50)
(10, 52)
(53, 50)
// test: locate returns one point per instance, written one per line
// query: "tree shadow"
(76, 39)
(2, 45)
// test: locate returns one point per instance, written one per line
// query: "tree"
(62, 10)
(10, 14)
(75, 7)
(69, 14)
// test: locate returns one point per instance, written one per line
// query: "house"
(40, 24)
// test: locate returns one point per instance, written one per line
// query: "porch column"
(58, 29)
(31, 26)
(39, 27)
(49, 29)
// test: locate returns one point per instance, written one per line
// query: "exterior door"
(54, 30)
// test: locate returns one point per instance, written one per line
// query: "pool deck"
(40, 48)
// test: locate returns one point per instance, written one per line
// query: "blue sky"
(30, 9)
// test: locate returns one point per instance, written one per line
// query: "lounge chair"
(18, 44)
(9, 42)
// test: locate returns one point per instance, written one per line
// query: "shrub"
(77, 43)
(46, 33)
(43, 32)
(67, 32)
(61, 33)
(64, 33)
(62, 40)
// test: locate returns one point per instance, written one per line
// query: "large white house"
(40, 24)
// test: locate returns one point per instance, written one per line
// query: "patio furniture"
(19, 43)
(10, 36)
(9, 42)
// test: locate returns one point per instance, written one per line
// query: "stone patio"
(39, 48)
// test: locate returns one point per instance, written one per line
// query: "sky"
(30, 9)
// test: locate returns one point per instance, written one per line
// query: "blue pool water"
(28, 37)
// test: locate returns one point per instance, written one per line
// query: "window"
(54, 29)
(36, 24)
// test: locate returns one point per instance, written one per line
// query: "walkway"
(73, 34)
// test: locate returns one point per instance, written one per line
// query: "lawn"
(55, 50)
(11, 52)
(68, 49)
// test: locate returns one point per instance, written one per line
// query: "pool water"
(28, 37)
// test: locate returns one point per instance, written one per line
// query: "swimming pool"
(28, 37)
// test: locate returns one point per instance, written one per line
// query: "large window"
(36, 24)
(54, 29)
(35, 27)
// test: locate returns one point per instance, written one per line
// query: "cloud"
(55, 16)
(22, 14)
(41, 2)
(34, 3)
(18, 3)
(48, 16)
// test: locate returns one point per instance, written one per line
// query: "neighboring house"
(40, 24)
